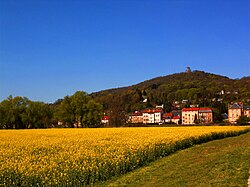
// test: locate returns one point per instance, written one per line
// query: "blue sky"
(52, 48)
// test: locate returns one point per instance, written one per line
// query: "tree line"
(78, 110)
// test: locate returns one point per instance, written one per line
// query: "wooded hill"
(198, 87)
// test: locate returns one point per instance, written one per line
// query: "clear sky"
(52, 48)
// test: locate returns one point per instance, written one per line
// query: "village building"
(172, 117)
(189, 115)
(205, 115)
(176, 119)
(105, 119)
(246, 111)
(234, 112)
(152, 116)
(197, 115)
(167, 117)
(137, 117)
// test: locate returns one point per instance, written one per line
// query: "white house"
(152, 116)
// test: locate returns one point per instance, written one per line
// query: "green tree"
(196, 120)
(11, 110)
(37, 115)
(243, 120)
(93, 115)
(80, 110)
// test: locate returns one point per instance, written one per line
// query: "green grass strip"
(219, 163)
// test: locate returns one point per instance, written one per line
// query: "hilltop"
(197, 87)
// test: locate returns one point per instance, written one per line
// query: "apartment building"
(189, 115)
(152, 116)
(197, 115)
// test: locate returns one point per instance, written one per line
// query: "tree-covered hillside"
(197, 87)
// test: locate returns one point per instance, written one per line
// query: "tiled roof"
(176, 117)
(168, 114)
(190, 109)
(246, 107)
(105, 118)
(151, 111)
(235, 106)
(205, 110)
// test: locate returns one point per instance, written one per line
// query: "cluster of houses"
(186, 116)
(235, 110)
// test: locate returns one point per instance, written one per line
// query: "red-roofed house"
(176, 119)
(189, 115)
(167, 117)
(105, 119)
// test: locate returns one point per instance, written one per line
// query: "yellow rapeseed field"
(73, 157)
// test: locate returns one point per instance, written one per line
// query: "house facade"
(137, 117)
(234, 112)
(197, 115)
(205, 115)
(176, 119)
(189, 115)
(171, 117)
(246, 111)
(167, 117)
(151, 116)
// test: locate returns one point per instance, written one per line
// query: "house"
(234, 112)
(246, 111)
(105, 119)
(137, 117)
(176, 119)
(189, 115)
(167, 117)
(205, 115)
(197, 115)
(60, 123)
(184, 101)
(152, 116)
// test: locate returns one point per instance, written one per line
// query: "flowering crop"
(74, 157)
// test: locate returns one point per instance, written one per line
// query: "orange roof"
(168, 114)
(151, 111)
(190, 109)
(176, 117)
(206, 109)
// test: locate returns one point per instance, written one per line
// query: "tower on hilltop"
(188, 70)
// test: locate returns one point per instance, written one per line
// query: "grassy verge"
(223, 162)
